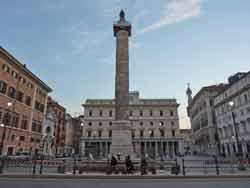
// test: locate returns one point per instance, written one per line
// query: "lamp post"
(237, 148)
(9, 104)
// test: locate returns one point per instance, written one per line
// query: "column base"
(122, 140)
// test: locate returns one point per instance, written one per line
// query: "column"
(145, 148)
(161, 150)
(156, 149)
(181, 147)
(101, 149)
(173, 148)
(167, 149)
(150, 148)
(106, 149)
(170, 148)
(109, 147)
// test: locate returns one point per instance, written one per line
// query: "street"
(143, 183)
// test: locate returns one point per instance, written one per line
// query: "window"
(161, 123)
(36, 126)
(1, 113)
(110, 133)
(171, 113)
(31, 139)
(242, 112)
(100, 112)
(13, 137)
(141, 123)
(248, 109)
(37, 105)
(133, 133)
(100, 123)
(15, 120)
(42, 107)
(3, 87)
(90, 113)
(33, 126)
(141, 113)
(14, 75)
(130, 113)
(99, 133)
(151, 133)
(24, 123)
(24, 81)
(162, 133)
(172, 123)
(110, 113)
(5, 68)
(151, 123)
(110, 123)
(20, 96)
(22, 138)
(12, 92)
(90, 123)
(141, 133)
(7, 118)
(151, 113)
(161, 113)
(173, 133)
(246, 98)
(28, 100)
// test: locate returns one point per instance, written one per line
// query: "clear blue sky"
(70, 45)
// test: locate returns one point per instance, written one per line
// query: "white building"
(232, 109)
(203, 123)
(155, 127)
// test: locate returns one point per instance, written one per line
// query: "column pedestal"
(122, 139)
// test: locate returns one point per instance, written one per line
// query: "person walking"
(113, 163)
(129, 165)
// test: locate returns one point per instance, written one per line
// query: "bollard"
(216, 166)
(248, 157)
(34, 168)
(1, 165)
(74, 168)
(183, 167)
(41, 166)
(176, 166)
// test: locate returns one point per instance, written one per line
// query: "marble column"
(101, 149)
(121, 129)
(162, 149)
(145, 148)
(106, 149)
(156, 150)
(82, 150)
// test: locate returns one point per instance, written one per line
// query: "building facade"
(23, 103)
(155, 127)
(203, 123)
(232, 109)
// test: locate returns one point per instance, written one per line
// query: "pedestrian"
(143, 166)
(113, 163)
(129, 165)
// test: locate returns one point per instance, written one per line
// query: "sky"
(70, 45)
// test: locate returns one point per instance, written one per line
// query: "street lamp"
(238, 149)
